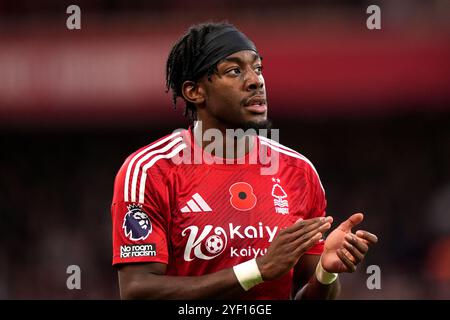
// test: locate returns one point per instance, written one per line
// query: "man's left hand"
(344, 250)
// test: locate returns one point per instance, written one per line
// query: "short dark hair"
(181, 60)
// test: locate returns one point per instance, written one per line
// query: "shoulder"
(158, 153)
(291, 157)
(154, 159)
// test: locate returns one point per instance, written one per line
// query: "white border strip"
(151, 163)
(130, 164)
(293, 154)
(145, 158)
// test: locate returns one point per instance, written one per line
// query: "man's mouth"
(256, 104)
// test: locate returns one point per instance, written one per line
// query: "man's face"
(236, 96)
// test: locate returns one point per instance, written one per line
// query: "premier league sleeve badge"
(136, 223)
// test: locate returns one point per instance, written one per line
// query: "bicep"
(304, 270)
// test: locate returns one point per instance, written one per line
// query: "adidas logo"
(196, 204)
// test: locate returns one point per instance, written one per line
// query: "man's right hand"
(150, 281)
(290, 244)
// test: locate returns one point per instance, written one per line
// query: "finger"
(369, 237)
(320, 220)
(308, 232)
(305, 222)
(301, 247)
(349, 256)
(354, 220)
(355, 241)
(308, 224)
(303, 239)
(346, 261)
(356, 255)
(300, 223)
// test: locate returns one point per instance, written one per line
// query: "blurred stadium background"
(371, 110)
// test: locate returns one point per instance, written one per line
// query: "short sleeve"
(139, 224)
(317, 204)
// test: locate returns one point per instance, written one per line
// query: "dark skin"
(222, 103)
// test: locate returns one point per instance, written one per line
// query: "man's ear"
(193, 92)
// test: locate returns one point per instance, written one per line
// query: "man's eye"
(234, 71)
(259, 69)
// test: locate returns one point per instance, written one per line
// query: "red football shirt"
(199, 218)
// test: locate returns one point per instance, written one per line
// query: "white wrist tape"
(248, 274)
(323, 276)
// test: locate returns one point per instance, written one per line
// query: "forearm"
(218, 285)
(314, 290)
(149, 280)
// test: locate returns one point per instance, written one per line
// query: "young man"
(220, 228)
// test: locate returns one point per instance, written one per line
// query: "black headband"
(218, 45)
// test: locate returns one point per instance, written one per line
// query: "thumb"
(354, 220)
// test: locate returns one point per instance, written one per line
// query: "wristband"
(248, 274)
(323, 276)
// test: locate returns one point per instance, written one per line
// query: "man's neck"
(230, 145)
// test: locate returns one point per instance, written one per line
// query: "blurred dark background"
(371, 110)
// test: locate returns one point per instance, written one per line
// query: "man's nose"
(254, 81)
